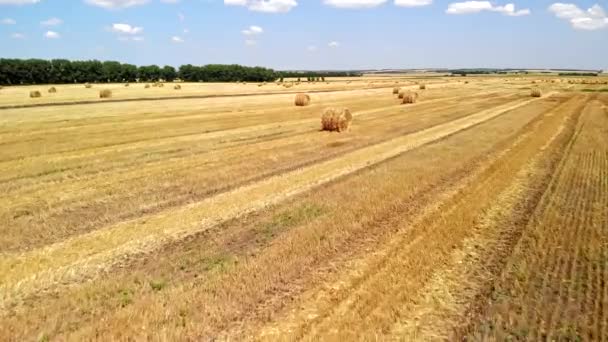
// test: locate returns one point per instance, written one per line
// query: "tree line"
(63, 71)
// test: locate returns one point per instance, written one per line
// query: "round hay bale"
(422, 86)
(105, 94)
(409, 97)
(402, 93)
(88, 85)
(127, 84)
(52, 90)
(160, 85)
(334, 119)
(177, 87)
(147, 86)
(536, 93)
(302, 100)
(395, 91)
(35, 93)
(288, 85)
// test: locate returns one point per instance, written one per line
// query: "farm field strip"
(87, 254)
(281, 256)
(554, 285)
(16, 97)
(291, 122)
(382, 287)
(125, 192)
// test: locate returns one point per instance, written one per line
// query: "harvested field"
(223, 212)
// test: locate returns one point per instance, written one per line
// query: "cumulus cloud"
(52, 35)
(17, 35)
(413, 3)
(354, 3)
(177, 39)
(18, 2)
(593, 18)
(469, 7)
(51, 22)
(253, 30)
(8, 21)
(266, 6)
(114, 4)
(126, 29)
(333, 44)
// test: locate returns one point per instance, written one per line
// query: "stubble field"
(222, 211)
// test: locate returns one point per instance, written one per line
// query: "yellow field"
(221, 211)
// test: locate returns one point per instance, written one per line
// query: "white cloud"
(126, 29)
(250, 42)
(311, 48)
(112, 4)
(593, 19)
(181, 16)
(413, 3)
(186, 31)
(8, 21)
(469, 7)
(253, 30)
(17, 35)
(18, 2)
(51, 22)
(267, 6)
(170, 1)
(177, 39)
(354, 3)
(52, 35)
(333, 44)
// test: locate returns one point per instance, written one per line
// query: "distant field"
(223, 212)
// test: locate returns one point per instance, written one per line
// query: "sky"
(311, 34)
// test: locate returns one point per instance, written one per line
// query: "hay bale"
(88, 85)
(334, 119)
(536, 93)
(35, 93)
(402, 93)
(105, 94)
(52, 90)
(127, 84)
(160, 85)
(409, 97)
(147, 86)
(395, 91)
(302, 100)
(422, 86)
(177, 87)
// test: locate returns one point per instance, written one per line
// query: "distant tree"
(168, 73)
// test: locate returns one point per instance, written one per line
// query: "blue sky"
(311, 34)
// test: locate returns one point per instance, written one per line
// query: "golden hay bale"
(88, 85)
(409, 97)
(422, 86)
(536, 93)
(105, 94)
(127, 84)
(35, 93)
(259, 85)
(288, 85)
(466, 82)
(177, 87)
(147, 86)
(334, 119)
(395, 91)
(52, 90)
(302, 100)
(402, 93)
(160, 85)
